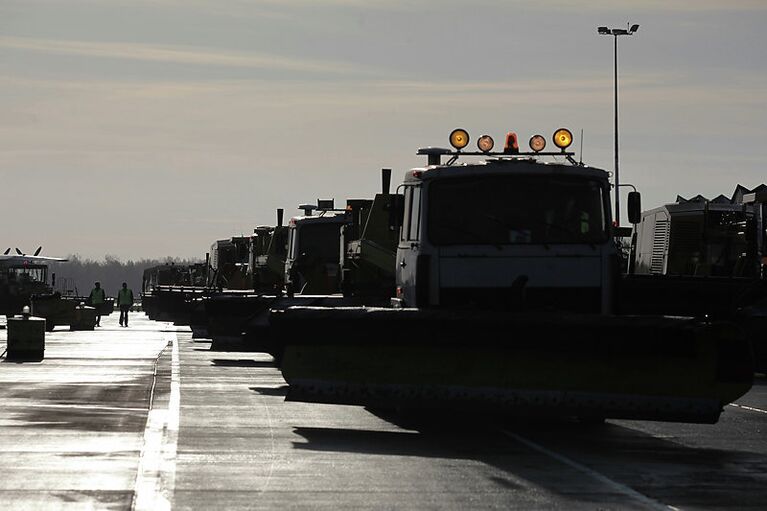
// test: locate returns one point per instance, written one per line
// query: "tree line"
(78, 274)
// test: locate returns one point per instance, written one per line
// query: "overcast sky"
(151, 128)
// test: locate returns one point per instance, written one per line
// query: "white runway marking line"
(749, 408)
(272, 456)
(155, 480)
(84, 406)
(618, 487)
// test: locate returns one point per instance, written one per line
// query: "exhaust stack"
(386, 181)
(280, 213)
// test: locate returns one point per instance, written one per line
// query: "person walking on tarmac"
(96, 300)
(124, 302)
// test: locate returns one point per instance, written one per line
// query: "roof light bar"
(459, 139)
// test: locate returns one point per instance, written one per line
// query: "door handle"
(402, 264)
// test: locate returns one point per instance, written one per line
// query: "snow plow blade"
(648, 368)
(228, 315)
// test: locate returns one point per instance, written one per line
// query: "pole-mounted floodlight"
(615, 32)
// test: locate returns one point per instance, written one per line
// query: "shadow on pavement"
(282, 390)
(662, 469)
(241, 362)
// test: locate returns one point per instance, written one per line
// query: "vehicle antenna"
(581, 151)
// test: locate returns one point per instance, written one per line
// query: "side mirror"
(635, 207)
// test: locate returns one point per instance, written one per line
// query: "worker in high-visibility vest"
(96, 300)
(124, 302)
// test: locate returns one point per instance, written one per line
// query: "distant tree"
(78, 274)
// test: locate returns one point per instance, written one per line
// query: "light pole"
(615, 32)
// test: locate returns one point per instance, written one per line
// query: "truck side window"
(292, 248)
(414, 219)
(404, 232)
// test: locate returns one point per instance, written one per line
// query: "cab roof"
(503, 166)
(328, 217)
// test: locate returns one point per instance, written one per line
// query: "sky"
(151, 128)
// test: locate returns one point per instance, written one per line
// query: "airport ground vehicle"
(229, 263)
(312, 263)
(165, 287)
(22, 276)
(266, 262)
(320, 244)
(506, 278)
(222, 314)
(365, 251)
(307, 252)
(704, 258)
(722, 237)
(369, 244)
(24, 282)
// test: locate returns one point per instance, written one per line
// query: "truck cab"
(510, 232)
(312, 265)
(21, 277)
(229, 263)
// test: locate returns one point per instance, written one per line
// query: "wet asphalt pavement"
(148, 418)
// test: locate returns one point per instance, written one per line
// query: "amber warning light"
(563, 138)
(459, 138)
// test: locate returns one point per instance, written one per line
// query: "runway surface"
(148, 418)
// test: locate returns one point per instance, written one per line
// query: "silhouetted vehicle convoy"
(704, 258)
(166, 290)
(24, 282)
(492, 284)
(313, 267)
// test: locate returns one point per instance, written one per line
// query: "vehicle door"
(409, 245)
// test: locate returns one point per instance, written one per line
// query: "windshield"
(321, 241)
(708, 243)
(726, 235)
(501, 210)
(27, 274)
